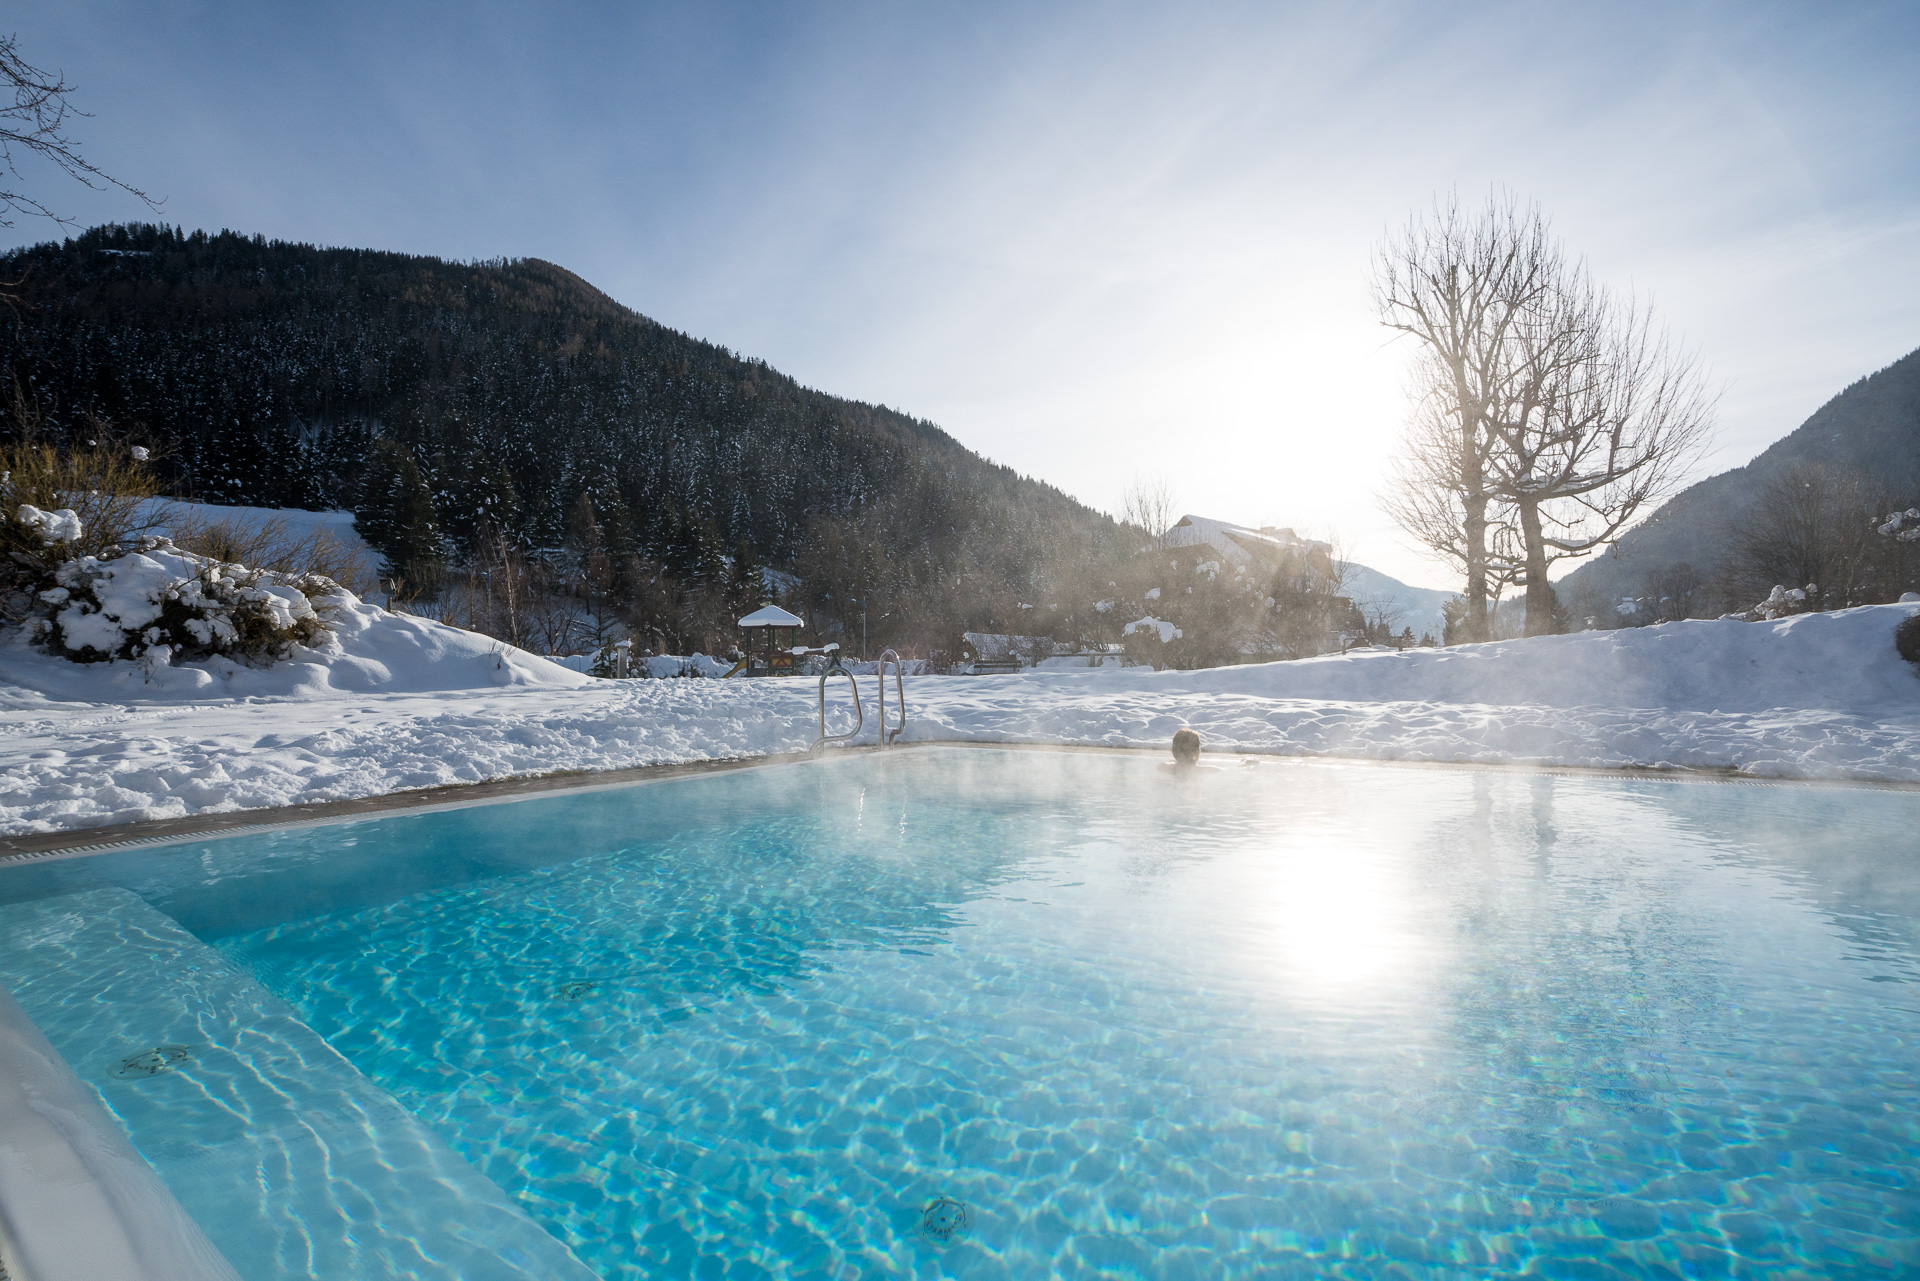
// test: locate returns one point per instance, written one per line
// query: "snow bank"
(1844, 659)
(368, 650)
(1814, 696)
(163, 515)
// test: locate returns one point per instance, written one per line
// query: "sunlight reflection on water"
(1309, 1018)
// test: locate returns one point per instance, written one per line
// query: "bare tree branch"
(35, 124)
(1148, 505)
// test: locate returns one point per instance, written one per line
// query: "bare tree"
(1549, 412)
(1429, 500)
(1148, 504)
(1603, 415)
(1812, 527)
(35, 124)
(1457, 284)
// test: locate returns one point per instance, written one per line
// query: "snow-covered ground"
(409, 704)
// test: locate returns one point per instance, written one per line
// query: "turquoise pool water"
(1019, 1014)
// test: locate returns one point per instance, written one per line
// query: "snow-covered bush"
(1903, 526)
(151, 601)
(60, 504)
(50, 529)
(1781, 602)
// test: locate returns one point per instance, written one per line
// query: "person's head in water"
(1186, 748)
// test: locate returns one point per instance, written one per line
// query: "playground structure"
(770, 648)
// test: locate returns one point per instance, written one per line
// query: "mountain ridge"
(1871, 427)
(268, 368)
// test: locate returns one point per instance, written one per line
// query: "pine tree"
(396, 517)
(746, 586)
(478, 503)
(709, 556)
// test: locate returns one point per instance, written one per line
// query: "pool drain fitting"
(161, 1058)
(945, 1221)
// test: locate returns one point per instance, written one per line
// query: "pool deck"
(77, 842)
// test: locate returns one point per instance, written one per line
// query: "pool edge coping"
(112, 838)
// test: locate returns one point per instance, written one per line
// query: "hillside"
(1871, 429)
(263, 371)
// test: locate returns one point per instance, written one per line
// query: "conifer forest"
(506, 421)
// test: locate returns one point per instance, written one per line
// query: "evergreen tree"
(709, 556)
(477, 503)
(396, 517)
(746, 585)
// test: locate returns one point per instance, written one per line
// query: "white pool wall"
(77, 1202)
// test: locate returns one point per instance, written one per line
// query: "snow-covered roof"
(1238, 542)
(772, 616)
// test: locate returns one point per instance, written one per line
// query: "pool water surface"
(986, 1014)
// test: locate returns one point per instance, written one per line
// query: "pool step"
(292, 1162)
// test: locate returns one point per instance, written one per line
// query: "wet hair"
(1186, 748)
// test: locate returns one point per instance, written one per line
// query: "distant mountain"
(1872, 428)
(1400, 604)
(267, 370)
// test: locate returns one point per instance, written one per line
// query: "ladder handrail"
(899, 694)
(860, 717)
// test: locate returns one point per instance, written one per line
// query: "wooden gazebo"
(771, 636)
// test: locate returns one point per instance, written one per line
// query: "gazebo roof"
(772, 616)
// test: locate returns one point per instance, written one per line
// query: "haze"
(1088, 240)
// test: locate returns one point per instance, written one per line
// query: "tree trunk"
(1539, 590)
(1475, 529)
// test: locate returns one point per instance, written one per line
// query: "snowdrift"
(407, 703)
(1841, 660)
(369, 650)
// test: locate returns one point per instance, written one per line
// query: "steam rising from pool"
(1089, 1018)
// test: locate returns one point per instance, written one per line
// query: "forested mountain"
(270, 373)
(1798, 512)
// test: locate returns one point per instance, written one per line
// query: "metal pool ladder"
(860, 717)
(899, 694)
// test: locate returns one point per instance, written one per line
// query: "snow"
(61, 526)
(1167, 631)
(1780, 602)
(406, 703)
(160, 516)
(164, 512)
(665, 666)
(772, 616)
(368, 651)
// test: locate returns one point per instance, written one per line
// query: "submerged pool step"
(292, 1162)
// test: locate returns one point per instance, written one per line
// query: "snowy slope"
(1817, 696)
(370, 651)
(164, 515)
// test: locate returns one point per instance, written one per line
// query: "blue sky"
(1090, 240)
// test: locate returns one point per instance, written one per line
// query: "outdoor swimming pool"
(982, 1013)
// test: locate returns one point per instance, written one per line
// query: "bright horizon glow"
(1089, 240)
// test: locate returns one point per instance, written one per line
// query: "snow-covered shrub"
(1903, 526)
(50, 529)
(60, 504)
(152, 601)
(1781, 602)
(1906, 638)
(611, 661)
